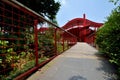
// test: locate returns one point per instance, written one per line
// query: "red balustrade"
(24, 45)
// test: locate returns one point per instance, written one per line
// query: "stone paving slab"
(81, 62)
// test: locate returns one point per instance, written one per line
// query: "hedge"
(108, 38)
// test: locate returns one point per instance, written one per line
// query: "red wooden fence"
(23, 47)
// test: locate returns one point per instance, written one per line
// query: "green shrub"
(108, 38)
(25, 68)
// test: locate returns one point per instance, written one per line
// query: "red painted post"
(85, 32)
(67, 45)
(36, 41)
(63, 44)
(84, 24)
(55, 41)
(94, 40)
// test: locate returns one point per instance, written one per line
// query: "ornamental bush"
(108, 38)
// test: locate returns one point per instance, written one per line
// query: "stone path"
(81, 62)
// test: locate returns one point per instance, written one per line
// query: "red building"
(83, 28)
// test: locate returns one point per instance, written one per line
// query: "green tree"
(108, 37)
(115, 1)
(47, 8)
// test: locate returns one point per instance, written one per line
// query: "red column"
(63, 41)
(85, 32)
(84, 25)
(55, 41)
(79, 34)
(36, 41)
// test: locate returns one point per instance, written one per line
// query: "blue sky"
(95, 10)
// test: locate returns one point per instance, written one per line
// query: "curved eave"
(80, 21)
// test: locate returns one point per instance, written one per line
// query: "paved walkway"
(81, 62)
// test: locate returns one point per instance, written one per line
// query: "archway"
(81, 27)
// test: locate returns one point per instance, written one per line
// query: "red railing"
(23, 46)
(90, 37)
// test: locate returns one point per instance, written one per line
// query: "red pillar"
(36, 41)
(63, 41)
(79, 34)
(55, 41)
(84, 25)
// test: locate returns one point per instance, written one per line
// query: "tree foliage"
(108, 37)
(115, 1)
(47, 8)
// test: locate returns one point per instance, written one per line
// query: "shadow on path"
(108, 69)
(77, 78)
